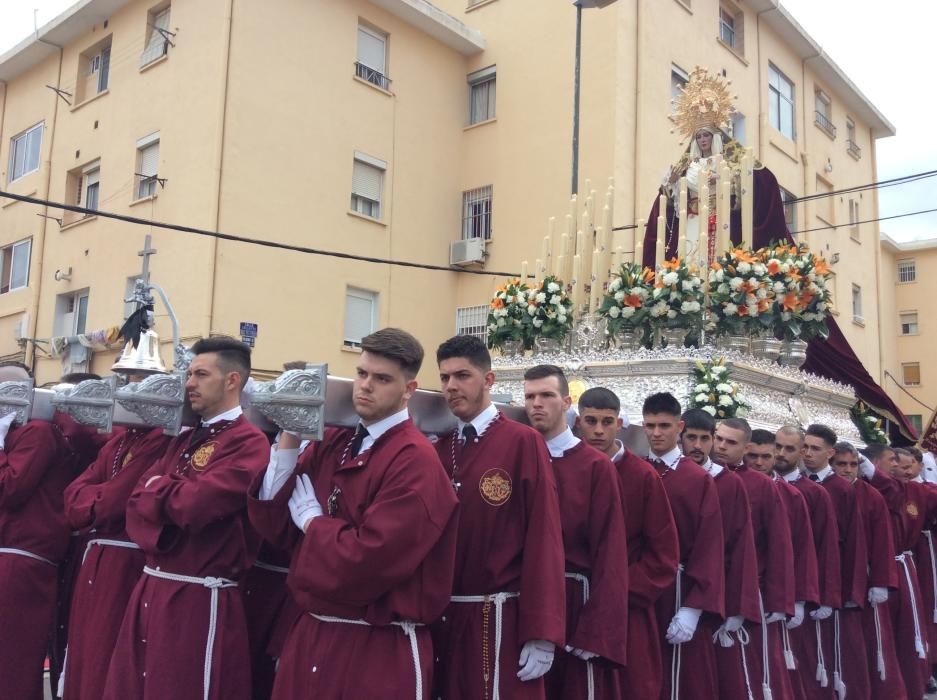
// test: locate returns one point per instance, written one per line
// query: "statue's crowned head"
(705, 102)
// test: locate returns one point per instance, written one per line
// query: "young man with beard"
(595, 547)
(653, 548)
(507, 613)
(817, 452)
(736, 675)
(697, 598)
(814, 665)
(884, 674)
(371, 520)
(774, 553)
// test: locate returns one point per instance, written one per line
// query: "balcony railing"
(824, 123)
(372, 76)
(853, 149)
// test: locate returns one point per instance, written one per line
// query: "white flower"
(870, 419)
(744, 268)
(657, 292)
(723, 388)
(752, 309)
(687, 285)
(500, 322)
(492, 327)
(619, 295)
(762, 294)
(720, 275)
(710, 410)
(786, 315)
(613, 287)
(627, 312)
(614, 312)
(730, 309)
(779, 288)
(556, 300)
(701, 398)
(696, 306)
(686, 307)
(810, 317)
(741, 412)
(532, 310)
(822, 306)
(701, 387)
(561, 319)
(759, 269)
(735, 283)
(725, 400)
(553, 287)
(722, 288)
(508, 298)
(671, 313)
(541, 298)
(638, 292)
(785, 267)
(659, 309)
(670, 278)
(538, 322)
(717, 370)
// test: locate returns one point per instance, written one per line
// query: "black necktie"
(468, 433)
(355, 447)
(198, 434)
(814, 477)
(659, 464)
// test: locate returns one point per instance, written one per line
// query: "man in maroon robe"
(653, 548)
(774, 555)
(509, 572)
(814, 662)
(884, 674)
(595, 547)
(33, 539)
(184, 635)
(847, 620)
(372, 523)
(693, 609)
(111, 564)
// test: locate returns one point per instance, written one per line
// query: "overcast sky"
(887, 51)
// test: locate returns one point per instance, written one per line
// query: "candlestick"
(546, 250)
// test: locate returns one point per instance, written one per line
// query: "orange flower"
(821, 267)
(671, 264)
(794, 274)
(632, 300)
(715, 266)
(497, 303)
(743, 310)
(648, 274)
(806, 298)
(790, 302)
(743, 255)
(774, 267)
(763, 305)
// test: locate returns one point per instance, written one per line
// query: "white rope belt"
(822, 676)
(214, 584)
(677, 648)
(765, 654)
(933, 567)
(789, 662)
(907, 561)
(409, 629)
(590, 672)
(498, 600)
(24, 553)
(271, 567)
(107, 543)
(879, 653)
(839, 686)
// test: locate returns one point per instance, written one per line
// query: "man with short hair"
(699, 590)
(508, 608)
(371, 520)
(653, 548)
(595, 547)
(183, 634)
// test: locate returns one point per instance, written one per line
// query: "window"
(367, 182)
(911, 373)
(732, 27)
(857, 302)
(780, 102)
(908, 320)
(482, 95)
(476, 213)
(14, 266)
(790, 210)
(823, 113)
(71, 313)
(915, 420)
(851, 146)
(825, 200)
(737, 128)
(83, 186)
(147, 166)
(360, 315)
(727, 27)
(371, 64)
(94, 66)
(678, 81)
(24, 152)
(157, 35)
(907, 272)
(854, 219)
(472, 320)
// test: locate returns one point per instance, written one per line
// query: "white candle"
(577, 284)
(703, 251)
(725, 240)
(682, 208)
(639, 243)
(660, 250)
(539, 271)
(595, 288)
(748, 202)
(524, 271)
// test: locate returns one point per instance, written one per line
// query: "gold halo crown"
(705, 101)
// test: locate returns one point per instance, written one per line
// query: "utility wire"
(867, 221)
(901, 386)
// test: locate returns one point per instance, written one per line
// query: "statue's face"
(705, 141)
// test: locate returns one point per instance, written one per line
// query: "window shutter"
(366, 181)
(149, 160)
(371, 50)
(156, 45)
(359, 314)
(92, 177)
(105, 69)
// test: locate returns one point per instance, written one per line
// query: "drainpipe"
(804, 158)
(762, 131)
(873, 151)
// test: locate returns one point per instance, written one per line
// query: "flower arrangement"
(868, 423)
(715, 393)
(550, 309)
(625, 303)
(802, 297)
(677, 297)
(741, 298)
(508, 319)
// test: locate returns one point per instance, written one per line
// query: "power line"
(900, 386)
(867, 221)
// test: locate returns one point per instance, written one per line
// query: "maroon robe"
(596, 548)
(924, 557)
(95, 504)
(653, 556)
(775, 557)
(32, 480)
(509, 541)
(694, 502)
(384, 556)
(876, 620)
(191, 521)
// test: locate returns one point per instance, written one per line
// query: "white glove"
(866, 468)
(5, 424)
(878, 595)
(536, 659)
(304, 506)
(821, 613)
(683, 625)
(734, 623)
(798, 618)
(774, 617)
(581, 653)
(282, 462)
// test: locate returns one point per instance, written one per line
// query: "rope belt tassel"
(590, 672)
(498, 600)
(907, 561)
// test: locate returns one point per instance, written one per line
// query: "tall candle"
(747, 195)
(682, 208)
(617, 259)
(638, 246)
(539, 271)
(660, 251)
(702, 252)
(545, 251)
(580, 243)
(724, 237)
(577, 284)
(523, 271)
(595, 287)
(560, 269)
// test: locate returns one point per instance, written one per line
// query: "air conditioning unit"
(469, 251)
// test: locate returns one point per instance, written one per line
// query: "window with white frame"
(14, 266)
(737, 128)
(911, 373)
(472, 320)
(482, 95)
(851, 146)
(790, 210)
(83, 186)
(25, 149)
(732, 26)
(780, 102)
(157, 35)
(908, 322)
(367, 184)
(727, 27)
(678, 81)
(147, 164)
(360, 315)
(71, 313)
(476, 213)
(826, 208)
(371, 62)
(94, 66)
(907, 271)
(823, 112)
(857, 302)
(854, 218)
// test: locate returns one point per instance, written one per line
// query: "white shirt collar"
(671, 459)
(482, 420)
(375, 430)
(792, 476)
(227, 415)
(712, 468)
(621, 451)
(562, 442)
(822, 475)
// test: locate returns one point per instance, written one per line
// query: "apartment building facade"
(384, 129)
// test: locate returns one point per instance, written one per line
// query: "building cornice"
(430, 20)
(891, 244)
